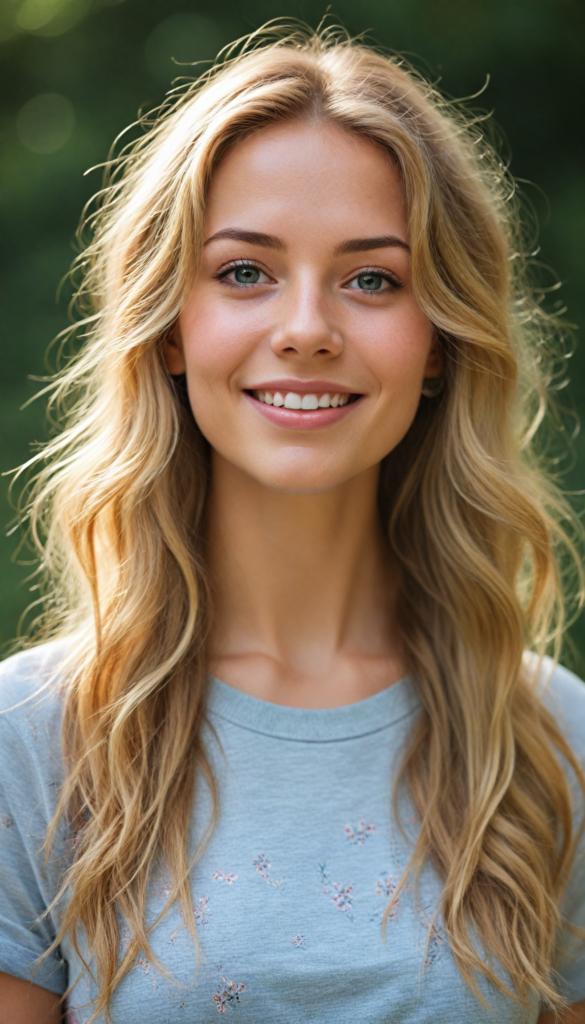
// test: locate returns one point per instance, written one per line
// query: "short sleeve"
(566, 699)
(28, 788)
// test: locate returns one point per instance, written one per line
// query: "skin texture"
(304, 580)
(23, 1003)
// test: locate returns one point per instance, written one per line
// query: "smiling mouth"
(304, 402)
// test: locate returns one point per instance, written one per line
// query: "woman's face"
(302, 343)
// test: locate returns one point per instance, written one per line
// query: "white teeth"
(293, 400)
(310, 402)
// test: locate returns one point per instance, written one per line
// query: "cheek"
(398, 350)
(215, 343)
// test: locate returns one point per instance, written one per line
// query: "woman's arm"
(574, 1014)
(24, 1003)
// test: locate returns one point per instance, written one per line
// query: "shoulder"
(564, 695)
(31, 697)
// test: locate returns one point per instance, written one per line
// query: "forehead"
(300, 174)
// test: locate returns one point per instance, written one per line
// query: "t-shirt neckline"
(316, 725)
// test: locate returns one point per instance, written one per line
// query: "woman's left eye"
(372, 281)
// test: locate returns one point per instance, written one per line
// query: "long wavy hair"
(119, 502)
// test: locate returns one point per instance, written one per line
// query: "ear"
(173, 352)
(435, 364)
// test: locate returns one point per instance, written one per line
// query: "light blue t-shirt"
(289, 895)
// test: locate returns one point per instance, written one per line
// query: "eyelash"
(384, 274)
(222, 274)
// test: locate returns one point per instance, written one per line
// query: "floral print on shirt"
(347, 900)
(228, 994)
(264, 868)
(141, 963)
(221, 876)
(358, 835)
(435, 934)
(201, 911)
(385, 887)
(162, 892)
(340, 894)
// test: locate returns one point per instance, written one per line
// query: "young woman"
(285, 757)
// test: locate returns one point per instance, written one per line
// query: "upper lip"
(303, 387)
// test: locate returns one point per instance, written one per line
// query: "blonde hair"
(119, 514)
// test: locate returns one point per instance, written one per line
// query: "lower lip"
(312, 419)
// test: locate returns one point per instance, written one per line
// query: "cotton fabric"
(289, 895)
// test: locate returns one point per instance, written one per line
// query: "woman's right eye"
(247, 275)
(243, 274)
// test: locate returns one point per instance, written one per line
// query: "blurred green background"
(74, 73)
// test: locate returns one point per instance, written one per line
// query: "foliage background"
(74, 73)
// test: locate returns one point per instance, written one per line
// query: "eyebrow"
(272, 242)
(365, 244)
(252, 237)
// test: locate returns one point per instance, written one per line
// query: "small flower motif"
(228, 996)
(201, 911)
(342, 897)
(145, 966)
(434, 947)
(340, 894)
(435, 937)
(141, 962)
(264, 867)
(6, 821)
(164, 891)
(386, 887)
(357, 836)
(230, 878)
(299, 940)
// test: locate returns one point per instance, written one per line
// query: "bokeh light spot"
(45, 123)
(50, 17)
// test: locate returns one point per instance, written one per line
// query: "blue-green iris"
(370, 282)
(247, 275)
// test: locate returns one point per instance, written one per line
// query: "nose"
(305, 328)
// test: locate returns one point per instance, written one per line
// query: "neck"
(303, 590)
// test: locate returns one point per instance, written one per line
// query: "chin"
(312, 479)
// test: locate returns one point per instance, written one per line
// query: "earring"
(432, 386)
